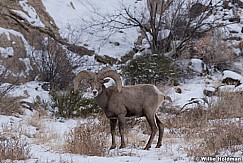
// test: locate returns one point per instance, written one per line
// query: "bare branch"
(159, 16)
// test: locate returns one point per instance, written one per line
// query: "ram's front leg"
(121, 119)
(113, 123)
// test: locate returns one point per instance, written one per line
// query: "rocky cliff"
(23, 25)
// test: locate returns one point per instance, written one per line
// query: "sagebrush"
(215, 130)
(14, 149)
(88, 139)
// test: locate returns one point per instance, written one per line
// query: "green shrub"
(72, 104)
(149, 69)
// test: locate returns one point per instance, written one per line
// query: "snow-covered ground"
(43, 153)
(172, 150)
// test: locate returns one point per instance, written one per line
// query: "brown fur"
(132, 101)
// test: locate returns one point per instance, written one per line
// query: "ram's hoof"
(122, 146)
(147, 147)
(112, 147)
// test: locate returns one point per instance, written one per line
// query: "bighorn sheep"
(119, 102)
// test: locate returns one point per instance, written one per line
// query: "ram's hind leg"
(113, 123)
(154, 128)
(161, 131)
(121, 124)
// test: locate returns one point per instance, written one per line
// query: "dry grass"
(88, 138)
(12, 145)
(190, 119)
(215, 139)
(45, 134)
(14, 149)
(210, 132)
(229, 105)
(212, 49)
(137, 132)
(211, 127)
(35, 121)
(93, 138)
(10, 106)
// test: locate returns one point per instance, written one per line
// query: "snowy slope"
(74, 17)
(71, 17)
(31, 16)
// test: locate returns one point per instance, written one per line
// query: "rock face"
(24, 25)
(21, 23)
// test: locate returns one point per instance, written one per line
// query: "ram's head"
(96, 80)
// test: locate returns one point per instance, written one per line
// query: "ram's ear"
(103, 81)
(106, 80)
(112, 74)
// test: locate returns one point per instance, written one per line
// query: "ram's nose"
(95, 93)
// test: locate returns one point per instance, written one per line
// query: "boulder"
(232, 78)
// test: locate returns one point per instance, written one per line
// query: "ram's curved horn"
(112, 74)
(81, 76)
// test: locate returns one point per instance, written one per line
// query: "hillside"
(191, 50)
(24, 25)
